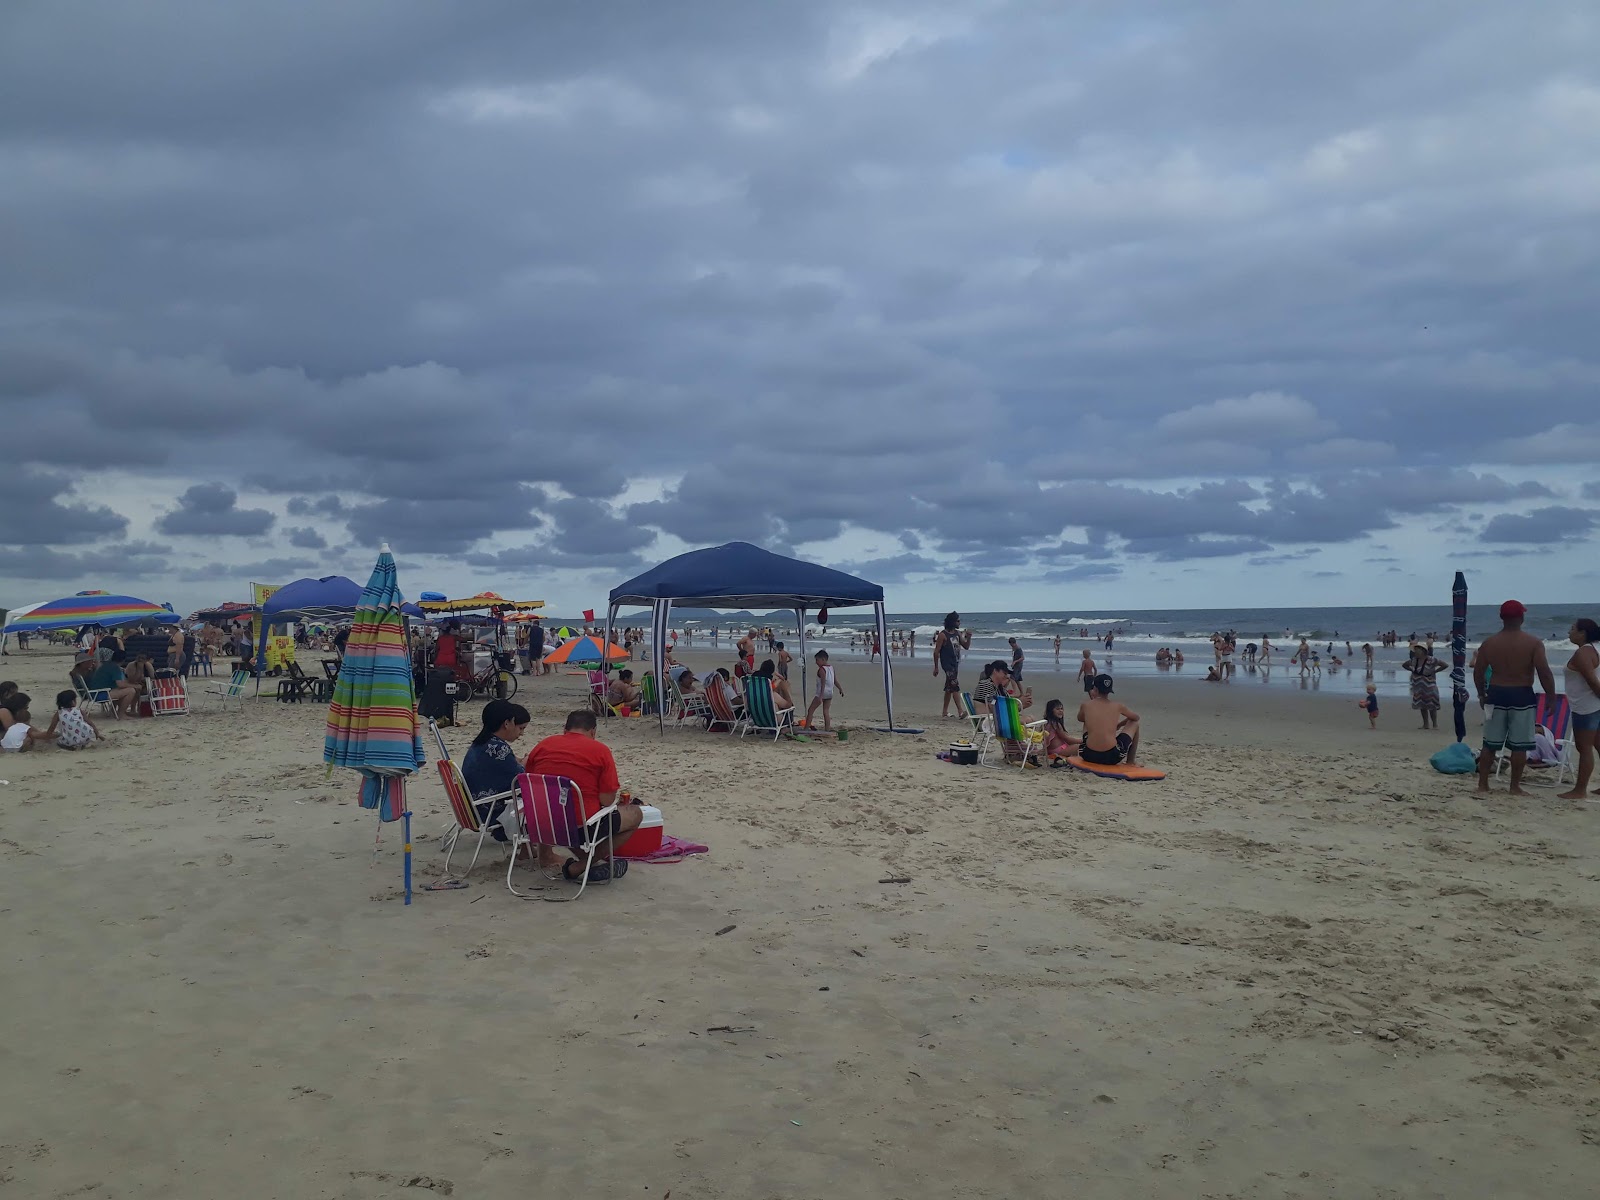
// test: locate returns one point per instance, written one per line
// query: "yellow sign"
(259, 593)
(280, 651)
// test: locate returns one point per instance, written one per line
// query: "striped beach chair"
(462, 806)
(1010, 728)
(1554, 712)
(721, 708)
(762, 713)
(686, 708)
(552, 815)
(649, 697)
(168, 695)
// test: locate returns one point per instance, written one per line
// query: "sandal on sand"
(598, 873)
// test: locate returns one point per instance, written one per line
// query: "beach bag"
(1455, 759)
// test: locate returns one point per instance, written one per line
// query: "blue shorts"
(1586, 720)
(1509, 725)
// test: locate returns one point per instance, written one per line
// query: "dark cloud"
(1555, 523)
(267, 570)
(123, 560)
(490, 284)
(211, 510)
(304, 537)
(35, 515)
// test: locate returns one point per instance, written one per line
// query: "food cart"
(492, 669)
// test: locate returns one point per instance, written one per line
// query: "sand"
(1305, 965)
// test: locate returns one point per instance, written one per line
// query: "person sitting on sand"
(8, 688)
(1515, 658)
(1213, 675)
(623, 690)
(12, 702)
(1110, 728)
(71, 727)
(1058, 743)
(17, 723)
(578, 754)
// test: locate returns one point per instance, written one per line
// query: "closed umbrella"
(1458, 654)
(372, 718)
(584, 650)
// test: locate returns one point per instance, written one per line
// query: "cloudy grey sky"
(1006, 305)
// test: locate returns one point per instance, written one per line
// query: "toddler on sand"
(1370, 703)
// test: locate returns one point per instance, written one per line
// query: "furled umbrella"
(372, 719)
(584, 650)
(1458, 654)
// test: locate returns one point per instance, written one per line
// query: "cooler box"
(646, 840)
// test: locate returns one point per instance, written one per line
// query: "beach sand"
(1304, 965)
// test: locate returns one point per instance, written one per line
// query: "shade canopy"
(328, 598)
(87, 608)
(739, 575)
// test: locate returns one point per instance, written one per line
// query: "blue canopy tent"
(739, 575)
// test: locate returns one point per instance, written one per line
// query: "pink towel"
(674, 850)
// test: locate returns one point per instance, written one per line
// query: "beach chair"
(550, 806)
(169, 697)
(721, 709)
(1010, 727)
(649, 696)
(202, 661)
(690, 707)
(100, 696)
(1555, 714)
(980, 722)
(761, 709)
(597, 695)
(234, 689)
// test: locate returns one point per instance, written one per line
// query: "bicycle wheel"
(510, 681)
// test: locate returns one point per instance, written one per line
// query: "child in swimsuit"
(1370, 703)
(827, 684)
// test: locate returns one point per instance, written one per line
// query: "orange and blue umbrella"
(89, 608)
(584, 650)
(372, 718)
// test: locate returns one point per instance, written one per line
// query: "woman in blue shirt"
(491, 765)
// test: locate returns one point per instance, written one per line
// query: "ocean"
(1140, 632)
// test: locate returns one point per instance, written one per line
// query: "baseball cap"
(1512, 609)
(1102, 683)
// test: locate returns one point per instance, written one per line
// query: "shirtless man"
(1085, 672)
(1110, 728)
(1512, 658)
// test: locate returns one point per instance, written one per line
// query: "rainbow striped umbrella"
(584, 650)
(88, 608)
(372, 719)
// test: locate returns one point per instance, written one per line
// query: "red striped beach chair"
(168, 695)
(552, 815)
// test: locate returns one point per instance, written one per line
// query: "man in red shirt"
(580, 755)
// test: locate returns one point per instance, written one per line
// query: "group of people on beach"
(70, 728)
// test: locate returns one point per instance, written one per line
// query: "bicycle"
(486, 683)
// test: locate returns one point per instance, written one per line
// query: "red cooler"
(646, 840)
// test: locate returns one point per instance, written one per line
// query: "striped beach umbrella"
(88, 608)
(584, 650)
(372, 718)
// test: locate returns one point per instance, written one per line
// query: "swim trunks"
(1510, 725)
(1106, 758)
(951, 683)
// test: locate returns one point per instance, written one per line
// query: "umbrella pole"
(406, 816)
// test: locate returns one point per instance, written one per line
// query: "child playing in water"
(1370, 703)
(826, 686)
(1058, 743)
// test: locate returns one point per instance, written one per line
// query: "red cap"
(1512, 609)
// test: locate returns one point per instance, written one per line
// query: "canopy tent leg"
(888, 675)
(660, 614)
(605, 646)
(805, 663)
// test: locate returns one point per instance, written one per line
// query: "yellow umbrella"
(472, 603)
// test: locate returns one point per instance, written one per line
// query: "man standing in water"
(948, 644)
(1503, 673)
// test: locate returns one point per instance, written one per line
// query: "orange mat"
(1120, 771)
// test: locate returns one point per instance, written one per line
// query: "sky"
(1002, 305)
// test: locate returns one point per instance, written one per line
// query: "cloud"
(118, 561)
(267, 570)
(36, 516)
(210, 510)
(1261, 417)
(1555, 523)
(1563, 443)
(304, 537)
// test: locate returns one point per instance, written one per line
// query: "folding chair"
(1009, 727)
(649, 697)
(234, 689)
(721, 709)
(693, 705)
(552, 815)
(169, 696)
(981, 732)
(761, 710)
(597, 695)
(100, 696)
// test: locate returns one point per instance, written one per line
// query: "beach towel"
(673, 850)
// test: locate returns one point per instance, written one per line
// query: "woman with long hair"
(1583, 689)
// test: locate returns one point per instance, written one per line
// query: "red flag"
(588, 614)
